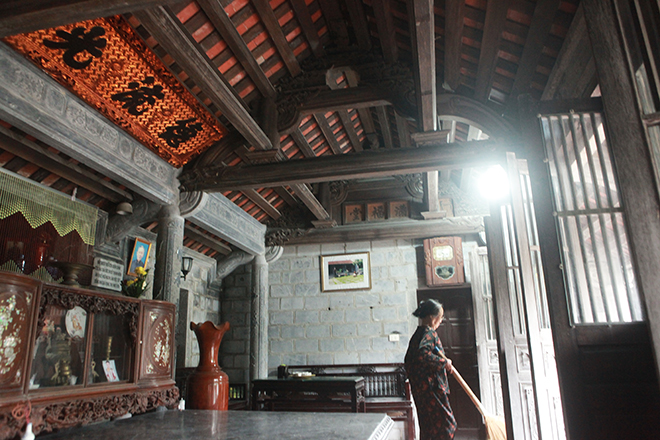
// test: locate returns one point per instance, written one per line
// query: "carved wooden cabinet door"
(18, 296)
(157, 340)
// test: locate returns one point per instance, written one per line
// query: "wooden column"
(168, 254)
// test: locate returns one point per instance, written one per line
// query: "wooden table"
(324, 393)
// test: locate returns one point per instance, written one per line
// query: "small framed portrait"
(345, 272)
(139, 256)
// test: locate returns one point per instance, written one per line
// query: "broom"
(495, 427)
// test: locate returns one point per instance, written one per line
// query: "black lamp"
(186, 266)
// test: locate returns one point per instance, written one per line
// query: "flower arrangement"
(136, 287)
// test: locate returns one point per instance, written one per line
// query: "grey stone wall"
(308, 326)
(235, 305)
(199, 301)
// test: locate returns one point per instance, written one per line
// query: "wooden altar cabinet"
(78, 356)
(324, 393)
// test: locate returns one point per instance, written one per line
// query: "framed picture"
(139, 256)
(345, 272)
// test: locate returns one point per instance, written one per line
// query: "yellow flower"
(140, 271)
(131, 282)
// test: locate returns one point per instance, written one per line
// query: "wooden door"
(457, 335)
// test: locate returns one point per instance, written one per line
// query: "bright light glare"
(494, 183)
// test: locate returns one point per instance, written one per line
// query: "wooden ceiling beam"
(262, 203)
(211, 242)
(349, 166)
(218, 16)
(538, 33)
(286, 196)
(312, 203)
(454, 18)
(302, 143)
(347, 122)
(35, 154)
(308, 27)
(422, 29)
(335, 22)
(490, 43)
(327, 132)
(172, 36)
(275, 32)
(574, 73)
(20, 16)
(360, 25)
(402, 129)
(386, 31)
(385, 129)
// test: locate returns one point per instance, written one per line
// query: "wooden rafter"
(359, 21)
(386, 31)
(346, 119)
(218, 16)
(454, 18)
(536, 37)
(352, 166)
(204, 239)
(335, 21)
(327, 132)
(43, 158)
(262, 203)
(490, 42)
(402, 129)
(166, 28)
(20, 16)
(302, 143)
(385, 129)
(312, 203)
(275, 31)
(422, 30)
(308, 27)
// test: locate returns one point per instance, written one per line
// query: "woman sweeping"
(427, 372)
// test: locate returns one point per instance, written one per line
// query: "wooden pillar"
(168, 253)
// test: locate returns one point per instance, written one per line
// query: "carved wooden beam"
(275, 32)
(166, 28)
(536, 37)
(211, 242)
(33, 153)
(216, 13)
(454, 15)
(20, 16)
(490, 42)
(347, 166)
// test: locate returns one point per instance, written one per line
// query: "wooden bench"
(386, 388)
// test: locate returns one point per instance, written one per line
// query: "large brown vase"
(208, 386)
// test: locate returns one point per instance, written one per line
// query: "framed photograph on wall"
(139, 256)
(345, 272)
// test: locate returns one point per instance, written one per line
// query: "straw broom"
(495, 427)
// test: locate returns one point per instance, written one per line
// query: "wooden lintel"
(368, 163)
(33, 153)
(218, 16)
(454, 17)
(312, 203)
(275, 31)
(536, 37)
(490, 42)
(20, 16)
(308, 27)
(172, 36)
(391, 230)
(328, 133)
(262, 203)
(211, 242)
(385, 129)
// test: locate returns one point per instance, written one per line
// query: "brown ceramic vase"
(208, 386)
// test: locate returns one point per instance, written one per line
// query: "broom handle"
(465, 386)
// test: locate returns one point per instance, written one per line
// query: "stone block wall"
(199, 301)
(307, 326)
(235, 306)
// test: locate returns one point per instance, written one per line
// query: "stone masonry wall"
(235, 304)
(308, 326)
